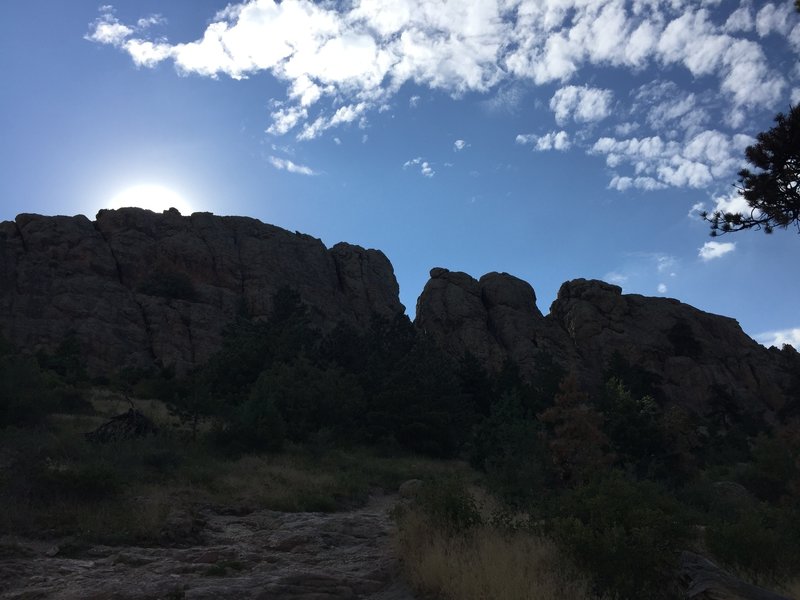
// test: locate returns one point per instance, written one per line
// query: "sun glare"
(152, 197)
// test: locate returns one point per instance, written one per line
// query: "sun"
(157, 198)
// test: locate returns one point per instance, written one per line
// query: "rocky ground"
(263, 554)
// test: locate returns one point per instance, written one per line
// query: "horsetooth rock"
(142, 289)
(698, 360)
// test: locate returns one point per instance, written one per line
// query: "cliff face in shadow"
(142, 289)
(702, 361)
(146, 290)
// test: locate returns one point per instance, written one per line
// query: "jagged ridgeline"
(139, 290)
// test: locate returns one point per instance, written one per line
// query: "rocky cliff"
(142, 289)
(696, 358)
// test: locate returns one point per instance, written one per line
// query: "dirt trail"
(260, 555)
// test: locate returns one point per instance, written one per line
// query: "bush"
(448, 505)
(626, 534)
(763, 543)
(25, 397)
(510, 448)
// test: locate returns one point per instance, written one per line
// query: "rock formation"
(697, 358)
(703, 580)
(141, 289)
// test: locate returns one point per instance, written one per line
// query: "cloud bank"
(342, 61)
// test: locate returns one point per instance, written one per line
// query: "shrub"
(25, 397)
(510, 448)
(448, 505)
(762, 543)
(626, 534)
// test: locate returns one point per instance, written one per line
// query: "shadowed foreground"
(264, 554)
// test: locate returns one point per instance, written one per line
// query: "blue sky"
(551, 139)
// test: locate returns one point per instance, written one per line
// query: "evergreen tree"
(577, 443)
(772, 193)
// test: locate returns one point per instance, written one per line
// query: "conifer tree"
(773, 192)
(577, 443)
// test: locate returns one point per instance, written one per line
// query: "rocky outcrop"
(260, 555)
(142, 289)
(688, 350)
(698, 359)
(703, 580)
(494, 319)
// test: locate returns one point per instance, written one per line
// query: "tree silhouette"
(578, 446)
(773, 193)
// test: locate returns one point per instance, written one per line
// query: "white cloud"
(146, 22)
(582, 103)
(285, 119)
(284, 164)
(555, 140)
(657, 163)
(781, 337)
(107, 29)
(740, 20)
(616, 278)
(664, 105)
(712, 250)
(734, 202)
(662, 288)
(339, 56)
(623, 183)
(775, 18)
(665, 262)
(425, 167)
(459, 145)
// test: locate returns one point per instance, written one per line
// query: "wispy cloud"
(712, 250)
(424, 166)
(285, 164)
(555, 140)
(459, 145)
(616, 278)
(779, 338)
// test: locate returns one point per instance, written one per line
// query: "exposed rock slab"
(264, 555)
(703, 580)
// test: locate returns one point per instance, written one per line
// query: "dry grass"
(54, 483)
(108, 403)
(792, 589)
(485, 563)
